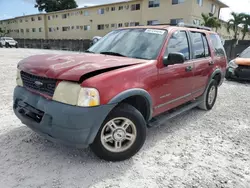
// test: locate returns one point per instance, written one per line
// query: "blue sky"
(14, 8)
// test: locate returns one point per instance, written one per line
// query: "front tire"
(210, 96)
(121, 135)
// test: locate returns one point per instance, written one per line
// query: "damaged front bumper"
(241, 73)
(67, 124)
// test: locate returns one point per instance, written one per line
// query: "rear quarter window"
(217, 45)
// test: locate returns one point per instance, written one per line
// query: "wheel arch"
(139, 98)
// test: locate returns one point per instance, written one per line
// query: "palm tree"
(209, 20)
(234, 24)
(246, 24)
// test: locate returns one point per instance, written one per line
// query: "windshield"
(135, 43)
(245, 53)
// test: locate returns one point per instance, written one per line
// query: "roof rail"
(182, 24)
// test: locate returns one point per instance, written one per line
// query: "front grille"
(243, 72)
(40, 84)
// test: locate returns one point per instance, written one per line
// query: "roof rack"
(182, 24)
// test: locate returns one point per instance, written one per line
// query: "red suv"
(131, 79)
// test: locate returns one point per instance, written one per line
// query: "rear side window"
(200, 45)
(178, 42)
(217, 45)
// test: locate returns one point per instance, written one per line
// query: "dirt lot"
(198, 149)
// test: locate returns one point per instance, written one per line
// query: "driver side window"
(178, 42)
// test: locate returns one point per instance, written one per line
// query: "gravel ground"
(198, 149)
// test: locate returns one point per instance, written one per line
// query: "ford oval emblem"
(38, 83)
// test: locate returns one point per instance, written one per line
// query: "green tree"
(246, 25)
(234, 23)
(2, 32)
(209, 20)
(55, 5)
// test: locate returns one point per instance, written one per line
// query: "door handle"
(189, 68)
(211, 62)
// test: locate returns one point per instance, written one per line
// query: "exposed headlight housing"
(73, 94)
(232, 64)
(19, 80)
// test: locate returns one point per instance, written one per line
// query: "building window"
(197, 22)
(175, 2)
(21, 30)
(77, 27)
(33, 30)
(86, 27)
(126, 24)
(112, 8)
(72, 27)
(48, 17)
(32, 19)
(101, 11)
(21, 21)
(50, 29)
(213, 8)
(39, 18)
(66, 28)
(153, 22)
(86, 13)
(26, 20)
(119, 24)
(153, 3)
(64, 16)
(100, 27)
(120, 8)
(135, 7)
(200, 2)
(113, 25)
(56, 16)
(40, 29)
(176, 21)
(134, 23)
(27, 30)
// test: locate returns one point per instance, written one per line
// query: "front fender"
(135, 92)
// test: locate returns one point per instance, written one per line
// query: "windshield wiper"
(87, 51)
(112, 53)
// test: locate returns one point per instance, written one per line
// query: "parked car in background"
(96, 39)
(132, 79)
(8, 42)
(239, 68)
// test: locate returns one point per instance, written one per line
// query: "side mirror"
(237, 55)
(174, 58)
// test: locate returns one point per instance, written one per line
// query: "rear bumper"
(70, 125)
(241, 74)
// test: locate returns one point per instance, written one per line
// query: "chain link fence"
(69, 45)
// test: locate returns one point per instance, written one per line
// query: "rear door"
(202, 60)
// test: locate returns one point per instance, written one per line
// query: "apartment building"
(86, 22)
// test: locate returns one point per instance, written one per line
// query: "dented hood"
(242, 61)
(72, 66)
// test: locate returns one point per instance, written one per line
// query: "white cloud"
(236, 6)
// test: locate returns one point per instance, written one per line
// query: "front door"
(175, 81)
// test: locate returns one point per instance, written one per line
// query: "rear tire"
(16, 46)
(210, 96)
(7, 45)
(121, 135)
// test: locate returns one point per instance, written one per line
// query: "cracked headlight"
(73, 94)
(232, 64)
